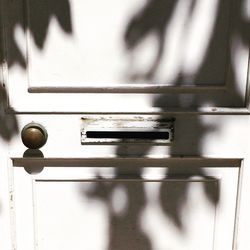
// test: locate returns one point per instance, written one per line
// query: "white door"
(145, 104)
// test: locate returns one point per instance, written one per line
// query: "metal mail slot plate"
(126, 129)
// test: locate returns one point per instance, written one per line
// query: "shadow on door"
(153, 18)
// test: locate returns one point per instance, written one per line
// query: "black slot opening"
(149, 135)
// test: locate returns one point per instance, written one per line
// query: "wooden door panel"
(124, 215)
(95, 46)
(104, 208)
(188, 56)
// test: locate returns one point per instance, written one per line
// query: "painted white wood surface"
(81, 49)
(68, 207)
(65, 73)
(96, 54)
(6, 225)
(227, 143)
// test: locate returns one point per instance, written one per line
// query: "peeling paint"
(127, 125)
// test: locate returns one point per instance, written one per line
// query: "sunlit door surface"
(66, 62)
(192, 53)
(103, 208)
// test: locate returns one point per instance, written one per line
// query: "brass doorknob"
(34, 135)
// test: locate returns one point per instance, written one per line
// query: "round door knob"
(34, 135)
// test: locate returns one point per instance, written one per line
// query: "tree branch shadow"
(41, 13)
(153, 18)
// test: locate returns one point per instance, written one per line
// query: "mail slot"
(108, 130)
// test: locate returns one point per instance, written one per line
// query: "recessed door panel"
(124, 215)
(151, 55)
(88, 44)
(109, 208)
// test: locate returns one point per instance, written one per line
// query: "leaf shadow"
(154, 18)
(35, 17)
